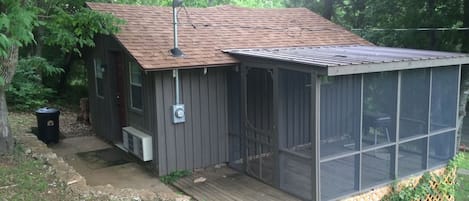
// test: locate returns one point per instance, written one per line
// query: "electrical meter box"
(179, 115)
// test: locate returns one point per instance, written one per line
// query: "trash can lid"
(46, 110)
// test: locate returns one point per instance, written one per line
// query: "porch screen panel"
(294, 106)
(415, 89)
(379, 108)
(444, 98)
(412, 157)
(377, 166)
(294, 102)
(441, 148)
(340, 115)
(338, 177)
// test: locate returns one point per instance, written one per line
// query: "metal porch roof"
(343, 60)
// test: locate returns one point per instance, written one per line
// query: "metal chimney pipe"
(175, 27)
(176, 52)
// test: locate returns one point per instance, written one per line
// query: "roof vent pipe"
(176, 52)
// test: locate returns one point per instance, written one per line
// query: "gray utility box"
(179, 115)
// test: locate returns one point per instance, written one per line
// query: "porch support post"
(243, 116)
(275, 127)
(315, 135)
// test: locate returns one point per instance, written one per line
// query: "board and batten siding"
(202, 140)
(103, 110)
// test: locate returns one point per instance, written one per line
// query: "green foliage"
(27, 91)
(464, 160)
(424, 188)
(17, 21)
(74, 31)
(174, 176)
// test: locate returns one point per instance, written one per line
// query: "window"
(98, 74)
(135, 86)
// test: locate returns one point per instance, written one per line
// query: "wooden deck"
(227, 184)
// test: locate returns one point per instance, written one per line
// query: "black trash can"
(48, 124)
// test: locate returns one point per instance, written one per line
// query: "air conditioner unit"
(138, 143)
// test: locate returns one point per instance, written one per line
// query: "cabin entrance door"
(117, 95)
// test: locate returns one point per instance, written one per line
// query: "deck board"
(230, 185)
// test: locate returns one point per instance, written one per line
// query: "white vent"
(138, 143)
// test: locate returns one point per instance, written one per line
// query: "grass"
(462, 191)
(465, 162)
(24, 178)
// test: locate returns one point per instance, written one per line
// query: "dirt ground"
(22, 177)
(69, 127)
(76, 138)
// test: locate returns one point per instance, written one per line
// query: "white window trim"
(131, 83)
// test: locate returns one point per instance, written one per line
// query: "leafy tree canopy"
(16, 25)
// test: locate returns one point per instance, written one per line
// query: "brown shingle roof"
(147, 35)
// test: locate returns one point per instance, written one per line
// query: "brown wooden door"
(120, 93)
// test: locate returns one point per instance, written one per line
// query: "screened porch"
(323, 135)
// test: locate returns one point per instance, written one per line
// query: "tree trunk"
(7, 70)
(328, 9)
(432, 33)
(466, 24)
(39, 42)
(359, 7)
(6, 139)
(64, 76)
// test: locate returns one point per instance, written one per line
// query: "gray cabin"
(282, 95)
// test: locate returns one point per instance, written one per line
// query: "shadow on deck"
(227, 184)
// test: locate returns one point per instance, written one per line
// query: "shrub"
(174, 176)
(436, 187)
(27, 90)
